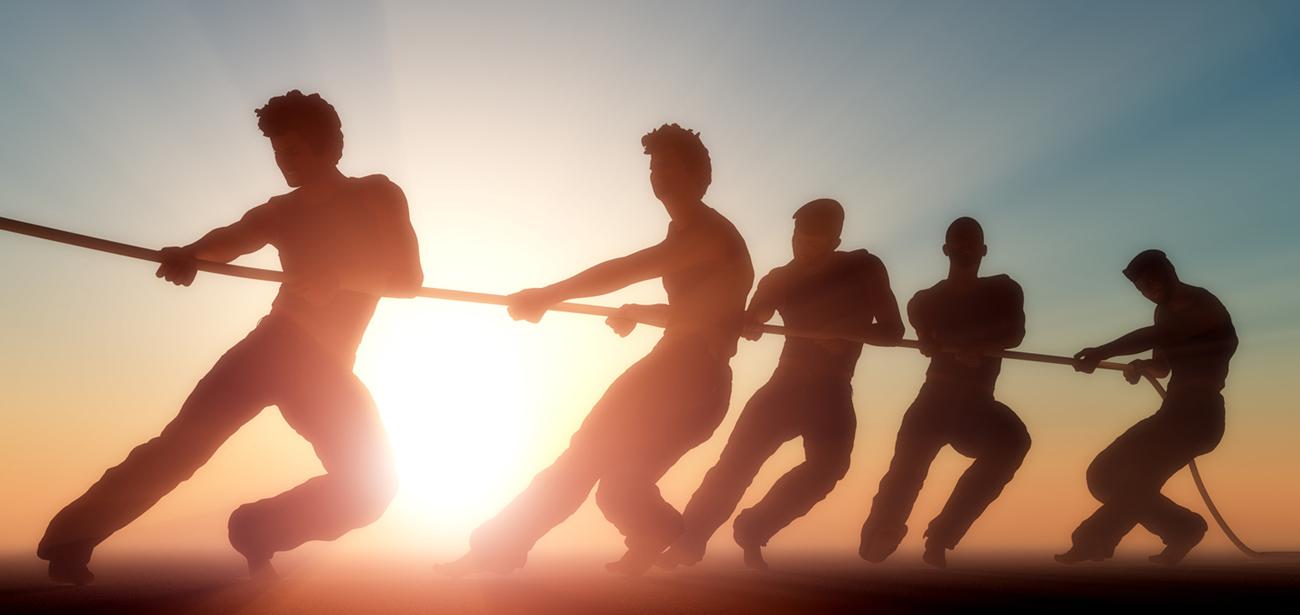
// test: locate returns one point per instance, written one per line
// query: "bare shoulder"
(380, 187)
(778, 275)
(1004, 283)
(1209, 303)
(925, 295)
(863, 261)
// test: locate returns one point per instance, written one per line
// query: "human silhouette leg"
(828, 436)
(920, 437)
(678, 414)
(764, 424)
(329, 407)
(235, 390)
(1127, 477)
(995, 437)
(503, 542)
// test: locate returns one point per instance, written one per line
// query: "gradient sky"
(1078, 133)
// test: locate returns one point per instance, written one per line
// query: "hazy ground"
(810, 586)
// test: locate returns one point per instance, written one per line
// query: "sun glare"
(453, 400)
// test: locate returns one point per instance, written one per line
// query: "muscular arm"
(1133, 342)
(1172, 326)
(885, 324)
(402, 274)
(762, 306)
(655, 261)
(652, 313)
(1008, 329)
(918, 316)
(179, 265)
(227, 243)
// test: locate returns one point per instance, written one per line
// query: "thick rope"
(253, 273)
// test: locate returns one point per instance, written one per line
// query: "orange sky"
(516, 136)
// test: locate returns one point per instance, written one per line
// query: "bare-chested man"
(664, 405)
(957, 321)
(1192, 342)
(343, 243)
(810, 396)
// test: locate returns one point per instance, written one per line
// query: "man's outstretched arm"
(655, 261)
(762, 307)
(1133, 342)
(220, 245)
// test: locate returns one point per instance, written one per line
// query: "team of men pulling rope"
(344, 242)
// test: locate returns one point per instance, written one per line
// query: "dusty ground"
(810, 586)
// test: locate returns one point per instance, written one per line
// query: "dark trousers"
(320, 398)
(664, 405)
(791, 405)
(1127, 476)
(977, 426)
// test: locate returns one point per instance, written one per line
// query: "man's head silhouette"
(964, 242)
(817, 228)
(1152, 274)
(680, 168)
(305, 133)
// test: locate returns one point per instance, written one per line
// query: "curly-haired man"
(665, 404)
(343, 242)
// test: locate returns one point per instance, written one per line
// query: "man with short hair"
(1192, 341)
(665, 404)
(809, 396)
(343, 242)
(958, 322)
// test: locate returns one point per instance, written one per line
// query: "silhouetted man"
(665, 404)
(342, 242)
(957, 321)
(810, 395)
(1192, 342)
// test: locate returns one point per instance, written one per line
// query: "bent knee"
(380, 487)
(834, 469)
(1019, 445)
(1105, 481)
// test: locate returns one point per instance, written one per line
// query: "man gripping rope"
(343, 242)
(957, 321)
(810, 396)
(665, 404)
(1192, 342)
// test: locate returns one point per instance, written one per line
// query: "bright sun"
(453, 394)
